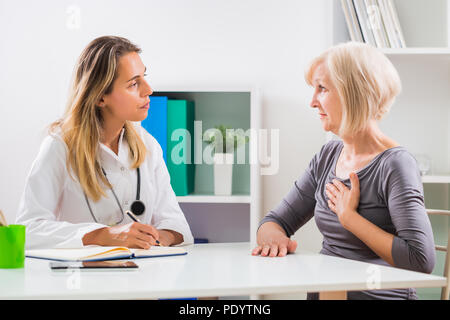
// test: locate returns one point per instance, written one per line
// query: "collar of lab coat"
(115, 162)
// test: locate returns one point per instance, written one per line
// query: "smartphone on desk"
(94, 265)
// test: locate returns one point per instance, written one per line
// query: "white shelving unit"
(214, 199)
(420, 117)
(436, 179)
(419, 52)
(236, 217)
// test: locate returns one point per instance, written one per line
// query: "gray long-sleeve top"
(391, 197)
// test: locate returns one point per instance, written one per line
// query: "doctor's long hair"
(81, 125)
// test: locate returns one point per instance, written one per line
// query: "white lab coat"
(54, 210)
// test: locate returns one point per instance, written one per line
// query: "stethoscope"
(137, 207)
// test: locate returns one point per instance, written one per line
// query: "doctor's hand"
(169, 237)
(132, 235)
(273, 242)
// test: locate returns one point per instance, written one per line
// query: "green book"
(180, 145)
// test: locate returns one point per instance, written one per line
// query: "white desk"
(225, 269)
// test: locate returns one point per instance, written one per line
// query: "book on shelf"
(374, 22)
(352, 21)
(156, 122)
(348, 20)
(364, 22)
(180, 145)
(397, 28)
(382, 24)
(388, 24)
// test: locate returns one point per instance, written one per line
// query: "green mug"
(12, 246)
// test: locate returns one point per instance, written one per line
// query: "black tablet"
(93, 265)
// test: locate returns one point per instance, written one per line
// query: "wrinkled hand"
(272, 241)
(342, 200)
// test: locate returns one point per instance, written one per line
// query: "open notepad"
(97, 253)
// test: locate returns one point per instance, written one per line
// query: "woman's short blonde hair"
(366, 81)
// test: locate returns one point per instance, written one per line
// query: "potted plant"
(224, 141)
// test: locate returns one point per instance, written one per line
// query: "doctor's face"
(326, 99)
(129, 98)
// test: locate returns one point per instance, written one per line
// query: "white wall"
(261, 43)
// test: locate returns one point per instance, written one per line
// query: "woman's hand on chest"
(342, 200)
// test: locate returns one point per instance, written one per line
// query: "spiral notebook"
(98, 253)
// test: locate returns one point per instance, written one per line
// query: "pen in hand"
(135, 219)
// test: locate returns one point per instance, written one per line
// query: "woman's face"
(129, 98)
(326, 99)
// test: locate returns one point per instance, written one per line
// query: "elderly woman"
(364, 190)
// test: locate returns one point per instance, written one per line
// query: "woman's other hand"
(272, 241)
(169, 237)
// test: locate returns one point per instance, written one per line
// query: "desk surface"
(221, 269)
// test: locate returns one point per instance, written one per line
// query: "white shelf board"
(436, 179)
(417, 51)
(214, 199)
(188, 88)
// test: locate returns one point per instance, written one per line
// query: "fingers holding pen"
(148, 229)
(142, 235)
(147, 239)
(144, 228)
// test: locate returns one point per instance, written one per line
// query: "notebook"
(98, 253)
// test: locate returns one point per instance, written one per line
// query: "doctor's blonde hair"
(366, 81)
(81, 125)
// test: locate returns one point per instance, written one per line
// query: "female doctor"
(96, 164)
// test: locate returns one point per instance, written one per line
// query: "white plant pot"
(223, 173)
